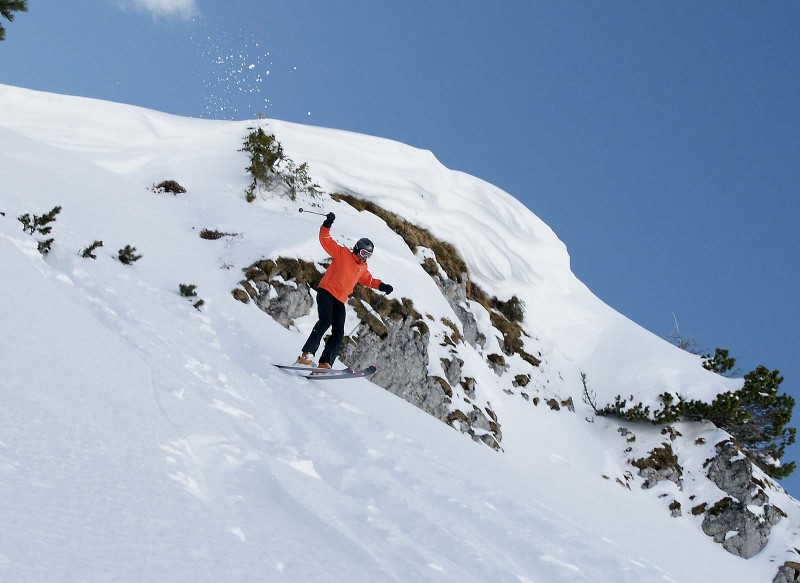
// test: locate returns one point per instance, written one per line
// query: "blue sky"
(661, 141)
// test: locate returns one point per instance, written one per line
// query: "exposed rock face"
(283, 301)
(661, 464)
(456, 295)
(788, 573)
(733, 474)
(397, 345)
(747, 511)
(280, 287)
(752, 531)
(402, 360)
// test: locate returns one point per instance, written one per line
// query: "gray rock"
(456, 295)
(660, 464)
(735, 477)
(653, 476)
(733, 474)
(283, 301)
(468, 384)
(402, 360)
(789, 572)
(452, 369)
(752, 531)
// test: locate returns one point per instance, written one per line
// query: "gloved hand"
(329, 220)
(385, 288)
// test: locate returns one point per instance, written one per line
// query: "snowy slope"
(142, 439)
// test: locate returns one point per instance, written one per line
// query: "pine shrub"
(721, 363)
(127, 255)
(298, 180)
(88, 252)
(169, 187)
(7, 10)
(266, 152)
(213, 235)
(756, 415)
(188, 291)
(270, 167)
(35, 224)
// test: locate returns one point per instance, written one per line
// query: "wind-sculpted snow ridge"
(142, 439)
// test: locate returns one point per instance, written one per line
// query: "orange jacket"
(345, 271)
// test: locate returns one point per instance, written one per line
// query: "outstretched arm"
(331, 247)
(369, 281)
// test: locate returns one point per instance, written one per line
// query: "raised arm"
(331, 247)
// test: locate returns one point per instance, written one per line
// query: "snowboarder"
(347, 268)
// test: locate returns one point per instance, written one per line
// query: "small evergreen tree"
(721, 363)
(298, 180)
(127, 255)
(33, 224)
(756, 415)
(188, 291)
(766, 433)
(271, 167)
(7, 10)
(88, 252)
(266, 152)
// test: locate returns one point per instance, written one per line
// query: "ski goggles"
(364, 253)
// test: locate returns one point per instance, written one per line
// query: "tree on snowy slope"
(7, 9)
(721, 363)
(271, 167)
(756, 415)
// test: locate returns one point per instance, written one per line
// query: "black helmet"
(364, 248)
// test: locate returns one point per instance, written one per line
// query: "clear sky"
(661, 141)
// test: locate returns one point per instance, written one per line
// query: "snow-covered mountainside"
(142, 439)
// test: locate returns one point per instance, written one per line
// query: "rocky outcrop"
(661, 464)
(399, 348)
(456, 295)
(742, 521)
(393, 337)
(283, 301)
(280, 287)
(402, 360)
(732, 472)
(740, 531)
(789, 572)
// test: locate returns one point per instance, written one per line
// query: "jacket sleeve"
(331, 247)
(369, 281)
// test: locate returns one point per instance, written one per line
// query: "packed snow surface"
(144, 440)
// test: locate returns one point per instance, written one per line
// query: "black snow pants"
(331, 314)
